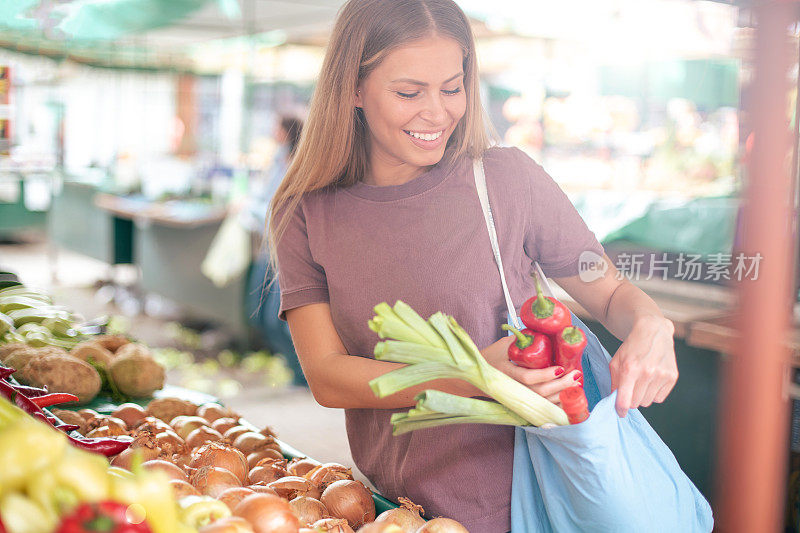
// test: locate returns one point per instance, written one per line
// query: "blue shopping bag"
(607, 474)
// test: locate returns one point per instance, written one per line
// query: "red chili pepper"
(66, 428)
(54, 398)
(570, 343)
(108, 517)
(2, 527)
(545, 314)
(6, 371)
(531, 349)
(107, 447)
(30, 392)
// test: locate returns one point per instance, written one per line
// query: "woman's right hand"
(547, 382)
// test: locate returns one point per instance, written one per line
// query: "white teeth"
(425, 136)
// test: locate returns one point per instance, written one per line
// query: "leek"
(439, 348)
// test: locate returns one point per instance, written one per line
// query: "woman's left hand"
(644, 369)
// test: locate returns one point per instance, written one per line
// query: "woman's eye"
(454, 91)
(407, 95)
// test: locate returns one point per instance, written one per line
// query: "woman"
(379, 204)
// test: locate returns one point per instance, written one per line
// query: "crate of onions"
(231, 477)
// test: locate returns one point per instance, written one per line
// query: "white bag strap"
(483, 195)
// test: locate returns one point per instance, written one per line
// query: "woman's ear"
(358, 101)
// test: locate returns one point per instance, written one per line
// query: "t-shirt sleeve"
(301, 279)
(556, 235)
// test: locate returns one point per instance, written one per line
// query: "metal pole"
(754, 420)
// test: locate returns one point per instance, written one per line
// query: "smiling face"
(412, 102)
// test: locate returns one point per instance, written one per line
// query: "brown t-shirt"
(425, 242)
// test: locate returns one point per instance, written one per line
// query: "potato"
(133, 348)
(92, 350)
(168, 408)
(7, 349)
(135, 373)
(112, 343)
(64, 373)
(20, 358)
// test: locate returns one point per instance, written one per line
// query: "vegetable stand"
(104, 405)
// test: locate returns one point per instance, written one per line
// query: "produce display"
(216, 471)
(43, 343)
(438, 348)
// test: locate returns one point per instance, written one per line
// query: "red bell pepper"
(531, 349)
(570, 343)
(573, 401)
(106, 517)
(545, 314)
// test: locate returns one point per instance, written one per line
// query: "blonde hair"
(333, 148)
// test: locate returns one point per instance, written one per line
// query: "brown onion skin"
(442, 525)
(403, 518)
(308, 510)
(328, 473)
(256, 457)
(222, 456)
(171, 443)
(290, 487)
(235, 431)
(125, 458)
(224, 424)
(171, 470)
(268, 514)
(130, 413)
(232, 496)
(184, 425)
(383, 527)
(202, 435)
(251, 442)
(258, 488)
(182, 488)
(153, 425)
(213, 481)
(350, 500)
(267, 473)
(229, 524)
(332, 525)
(300, 466)
(268, 432)
(116, 425)
(213, 411)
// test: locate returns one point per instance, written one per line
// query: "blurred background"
(140, 141)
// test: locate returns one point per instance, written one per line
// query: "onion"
(442, 525)
(222, 456)
(231, 497)
(267, 514)
(172, 471)
(235, 431)
(153, 425)
(184, 424)
(266, 454)
(258, 488)
(267, 471)
(251, 441)
(213, 481)
(170, 443)
(130, 413)
(332, 525)
(328, 473)
(181, 489)
(224, 424)
(350, 500)
(268, 432)
(407, 516)
(88, 414)
(290, 487)
(308, 510)
(202, 435)
(116, 425)
(229, 524)
(300, 466)
(213, 411)
(383, 527)
(125, 458)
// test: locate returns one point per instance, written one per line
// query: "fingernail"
(559, 371)
(578, 376)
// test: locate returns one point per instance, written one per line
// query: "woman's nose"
(434, 111)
